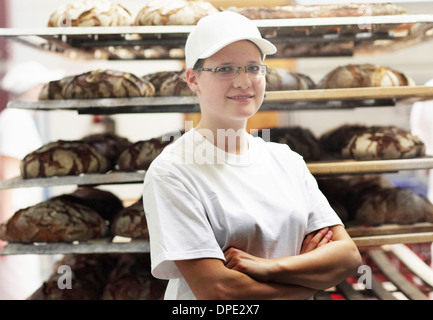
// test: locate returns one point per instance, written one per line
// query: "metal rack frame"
(346, 35)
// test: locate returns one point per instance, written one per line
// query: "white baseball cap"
(218, 30)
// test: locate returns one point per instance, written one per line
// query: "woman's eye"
(226, 69)
(253, 69)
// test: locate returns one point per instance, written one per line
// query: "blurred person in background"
(20, 275)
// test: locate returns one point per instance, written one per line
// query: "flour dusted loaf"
(108, 144)
(364, 75)
(334, 140)
(283, 79)
(90, 13)
(174, 12)
(318, 11)
(62, 158)
(393, 205)
(54, 220)
(383, 142)
(374, 200)
(131, 222)
(98, 84)
(140, 155)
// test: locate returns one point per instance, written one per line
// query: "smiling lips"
(241, 98)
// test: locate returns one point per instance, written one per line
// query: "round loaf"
(299, 139)
(107, 84)
(175, 85)
(178, 12)
(98, 84)
(62, 158)
(364, 75)
(87, 13)
(131, 222)
(335, 139)
(108, 144)
(283, 79)
(157, 78)
(379, 143)
(393, 205)
(140, 155)
(105, 203)
(54, 220)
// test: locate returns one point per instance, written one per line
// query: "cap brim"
(265, 46)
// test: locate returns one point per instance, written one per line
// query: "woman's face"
(228, 100)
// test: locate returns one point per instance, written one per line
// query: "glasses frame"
(262, 72)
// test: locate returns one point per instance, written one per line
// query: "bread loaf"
(131, 222)
(98, 84)
(108, 144)
(386, 142)
(394, 205)
(334, 140)
(175, 85)
(90, 13)
(62, 158)
(140, 155)
(299, 139)
(54, 220)
(157, 78)
(364, 75)
(177, 12)
(105, 203)
(283, 79)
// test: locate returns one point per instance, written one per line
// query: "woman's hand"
(261, 269)
(316, 239)
(257, 268)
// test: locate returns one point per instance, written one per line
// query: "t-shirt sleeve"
(177, 222)
(320, 212)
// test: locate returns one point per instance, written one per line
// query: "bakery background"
(414, 61)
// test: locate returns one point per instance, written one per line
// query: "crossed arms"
(327, 257)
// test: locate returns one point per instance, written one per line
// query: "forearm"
(220, 283)
(321, 268)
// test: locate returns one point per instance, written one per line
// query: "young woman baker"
(231, 216)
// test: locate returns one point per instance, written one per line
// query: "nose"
(242, 80)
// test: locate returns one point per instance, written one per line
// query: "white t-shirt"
(200, 200)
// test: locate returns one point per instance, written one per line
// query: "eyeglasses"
(231, 72)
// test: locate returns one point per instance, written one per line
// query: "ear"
(191, 79)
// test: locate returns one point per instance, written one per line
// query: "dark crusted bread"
(131, 222)
(98, 84)
(54, 220)
(62, 158)
(140, 155)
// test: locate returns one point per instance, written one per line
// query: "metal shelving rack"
(311, 37)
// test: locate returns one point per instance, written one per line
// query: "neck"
(231, 139)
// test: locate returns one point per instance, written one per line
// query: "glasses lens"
(226, 71)
(256, 70)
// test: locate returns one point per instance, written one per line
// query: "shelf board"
(315, 99)
(368, 166)
(83, 179)
(379, 240)
(108, 245)
(127, 42)
(90, 247)
(316, 168)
